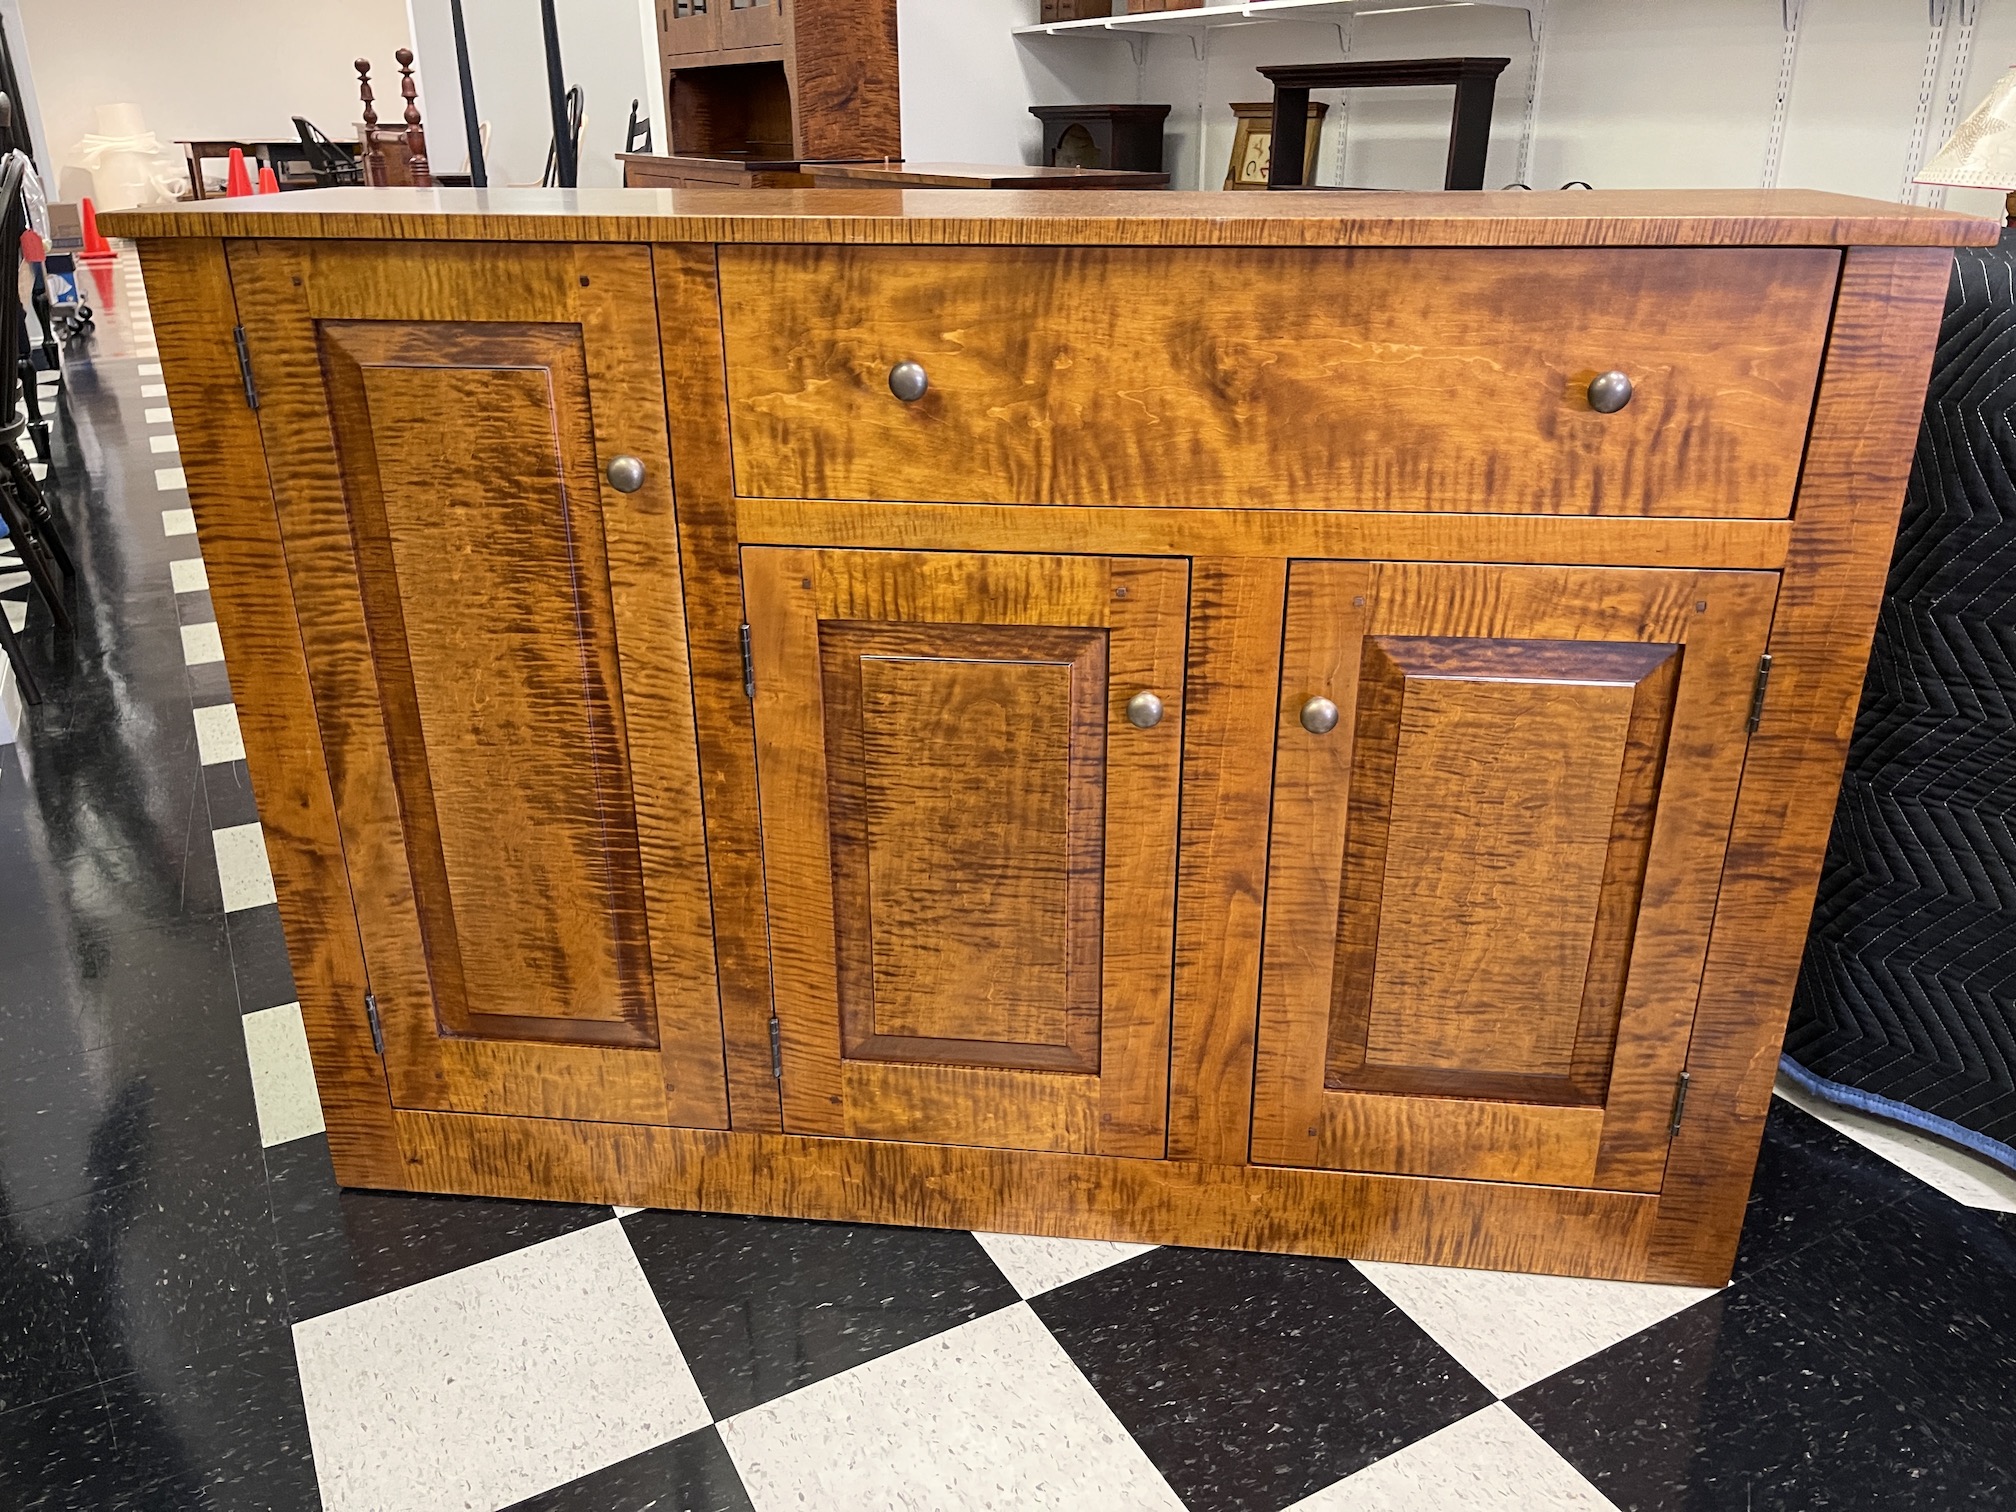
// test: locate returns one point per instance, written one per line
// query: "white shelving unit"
(1192, 23)
(1201, 24)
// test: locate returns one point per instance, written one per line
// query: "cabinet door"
(969, 847)
(1491, 881)
(498, 654)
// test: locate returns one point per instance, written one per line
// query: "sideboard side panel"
(225, 459)
(1872, 388)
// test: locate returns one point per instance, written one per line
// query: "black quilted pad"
(1906, 1002)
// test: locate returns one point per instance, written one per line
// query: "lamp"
(1982, 152)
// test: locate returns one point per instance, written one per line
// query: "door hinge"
(1679, 1106)
(748, 670)
(1757, 693)
(776, 1049)
(377, 1029)
(245, 368)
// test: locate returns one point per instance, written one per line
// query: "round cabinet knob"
(908, 380)
(1144, 710)
(626, 474)
(1609, 392)
(1319, 716)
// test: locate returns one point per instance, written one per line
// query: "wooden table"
(1224, 720)
(654, 170)
(916, 175)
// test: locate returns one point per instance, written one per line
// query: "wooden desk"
(1257, 747)
(914, 175)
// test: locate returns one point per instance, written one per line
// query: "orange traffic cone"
(236, 180)
(269, 182)
(96, 248)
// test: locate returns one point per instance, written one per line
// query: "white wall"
(1634, 93)
(602, 50)
(227, 68)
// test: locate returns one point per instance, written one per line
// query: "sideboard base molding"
(1481, 1224)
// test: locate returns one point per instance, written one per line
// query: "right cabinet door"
(1502, 798)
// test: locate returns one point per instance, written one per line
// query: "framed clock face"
(1253, 144)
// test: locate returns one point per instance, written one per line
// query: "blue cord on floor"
(1897, 1112)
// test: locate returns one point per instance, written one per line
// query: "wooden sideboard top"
(1603, 217)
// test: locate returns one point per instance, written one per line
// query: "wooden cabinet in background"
(1242, 749)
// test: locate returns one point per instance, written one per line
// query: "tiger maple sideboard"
(1302, 722)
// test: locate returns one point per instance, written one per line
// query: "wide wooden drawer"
(1432, 379)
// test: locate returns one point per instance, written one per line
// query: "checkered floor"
(192, 1314)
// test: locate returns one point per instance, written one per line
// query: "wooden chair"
(637, 135)
(576, 111)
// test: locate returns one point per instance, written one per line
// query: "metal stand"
(1476, 81)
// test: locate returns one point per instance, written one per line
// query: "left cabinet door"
(496, 642)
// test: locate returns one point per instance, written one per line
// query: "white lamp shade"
(1982, 153)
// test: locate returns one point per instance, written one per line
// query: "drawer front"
(1418, 379)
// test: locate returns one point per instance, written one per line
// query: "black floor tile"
(229, 790)
(61, 1455)
(227, 1431)
(259, 959)
(1254, 1380)
(342, 1247)
(690, 1474)
(763, 1306)
(1735, 1403)
(44, 1351)
(166, 1269)
(171, 979)
(1811, 1182)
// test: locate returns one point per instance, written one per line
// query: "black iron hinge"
(748, 666)
(1679, 1106)
(1757, 693)
(776, 1049)
(245, 368)
(377, 1029)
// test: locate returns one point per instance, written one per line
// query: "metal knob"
(1609, 392)
(1319, 716)
(626, 474)
(908, 380)
(1144, 710)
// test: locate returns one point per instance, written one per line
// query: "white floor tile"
(1034, 1265)
(245, 878)
(491, 1384)
(167, 478)
(991, 1414)
(200, 644)
(153, 391)
(38, 470)
(283, 1078)
(178, 522)
(9, 581)
(1488, 1462)
(17, 614)
(1510, 1331)
(1965, 1178)
(189, 575)
(150, 370)
(217, 736)
(166, 443)
(160, 414)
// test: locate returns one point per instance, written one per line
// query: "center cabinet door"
(969, 845)
(494, 636)
(1502, 798)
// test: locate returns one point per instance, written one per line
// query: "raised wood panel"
(504, 727)
(1439, 379)
(532, 911)
(967, 805)
(1491, 882)
(970, 851)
